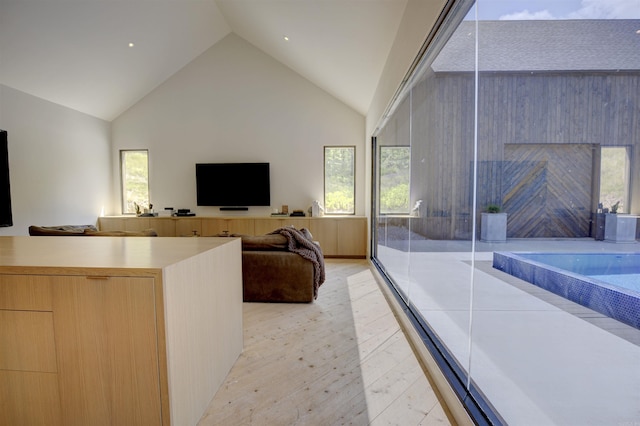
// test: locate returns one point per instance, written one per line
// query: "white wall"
(59, 162)
(236, 104)
(417, 21)
(233, 103)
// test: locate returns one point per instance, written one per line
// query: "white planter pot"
(620, 228)
(493, 227)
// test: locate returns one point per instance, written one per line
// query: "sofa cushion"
(85, 230)
(276, 276)
(144, 233)
(269, 242)
(60, 230)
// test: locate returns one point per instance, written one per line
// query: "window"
(134, 168)
(395, 174)
(339, 179)
(515, 112)
(614, 178)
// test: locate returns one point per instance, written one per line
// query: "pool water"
(621, 269)
(629, 281)
(608, 283)
(590, 263)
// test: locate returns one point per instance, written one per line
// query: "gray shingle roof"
(558, 45)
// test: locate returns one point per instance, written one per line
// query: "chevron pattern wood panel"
(547, 190)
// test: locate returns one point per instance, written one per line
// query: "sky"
(557, 9)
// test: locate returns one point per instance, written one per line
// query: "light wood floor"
(340, 360)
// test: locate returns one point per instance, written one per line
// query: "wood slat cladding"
(594, 108)
(577, 108)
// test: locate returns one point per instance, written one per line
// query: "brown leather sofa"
(277, 267)
(84, 231)
(273, 273)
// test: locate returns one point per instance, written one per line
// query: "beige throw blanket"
(301, 242)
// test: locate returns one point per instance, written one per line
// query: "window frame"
(380, 176)
(625, 198)
(324, 180)
(123, 200)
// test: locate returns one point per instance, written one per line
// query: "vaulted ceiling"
(76, 53)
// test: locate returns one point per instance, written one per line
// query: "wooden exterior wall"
(600, 109)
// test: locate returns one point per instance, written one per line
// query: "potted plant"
(493, 225)
(615, 207)
(618, 227)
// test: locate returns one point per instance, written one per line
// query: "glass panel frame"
(528, 142)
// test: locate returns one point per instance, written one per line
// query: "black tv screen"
(6, 218)
(233, 184)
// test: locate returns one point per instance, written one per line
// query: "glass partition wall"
(499, 145)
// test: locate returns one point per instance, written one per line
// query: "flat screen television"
(233, 184)
(6, 218)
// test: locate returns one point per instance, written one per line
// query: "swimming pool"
(605, 282)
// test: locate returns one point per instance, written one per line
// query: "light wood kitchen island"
(116, 330)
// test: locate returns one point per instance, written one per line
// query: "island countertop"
(116, 330)
(67, 253)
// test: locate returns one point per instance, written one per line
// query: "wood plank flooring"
(342, 360)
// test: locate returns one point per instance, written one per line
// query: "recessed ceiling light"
(131, 44)
(286, 38)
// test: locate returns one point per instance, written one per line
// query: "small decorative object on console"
(316, 209)
(185, 212)
(297, 213)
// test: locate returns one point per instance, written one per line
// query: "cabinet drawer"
(264, 226)
(24, 292)
(164, 226)
(352, 237)
(188, 227)
(29, 398)
(27, 341)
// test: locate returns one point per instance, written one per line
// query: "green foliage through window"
(395, 175)
(134, 166)
(614, 177)
(339, 179)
